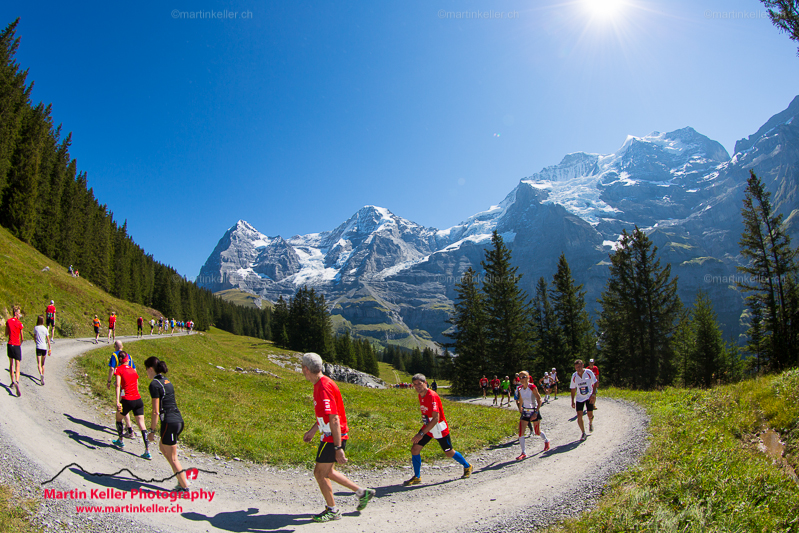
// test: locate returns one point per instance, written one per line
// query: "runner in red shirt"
(14, 336)
(484, 385)
(112, 324)
(49, 315)
(331, 420)
(435, 427)
(495, 384)
(127, 378)
(140, 327)
(593, 368)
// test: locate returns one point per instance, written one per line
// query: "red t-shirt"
(14, 330)
(111, 321)
(50, 311)
(431, 403)
(595, 370)
(130, 381)
(495, 383)
(139, 321)
(327, 401)
(484, 382)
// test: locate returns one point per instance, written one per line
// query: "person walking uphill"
(331, 421)
(435, 427)
(128, 379)
(165, 409)
(583, 388)
(14, 337)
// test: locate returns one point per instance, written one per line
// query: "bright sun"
(603, 8)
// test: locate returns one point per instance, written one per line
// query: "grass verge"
(262, 417)
(15, 516)
(703, 471)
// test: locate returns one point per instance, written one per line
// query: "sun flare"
(603, 8)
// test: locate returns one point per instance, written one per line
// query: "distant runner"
(139, 327)
(43, 347)
(435, 427)
(553, 375)
(484, 385)
(152, 325)
(49, 314)
(495, 384)
(331, 421)
(96, 324)
(14, 336)
(593, 368)
(546, 385)
(505, 391)
(112, 324)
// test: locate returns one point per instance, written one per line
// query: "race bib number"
(584, 390)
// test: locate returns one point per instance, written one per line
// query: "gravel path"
(55, 425)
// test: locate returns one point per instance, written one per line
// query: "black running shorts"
(169, 432)
(14, 352)
(444, 442)
(137, 406)
(326, 452)
(41, 352)
(49, 322)
(587, 404)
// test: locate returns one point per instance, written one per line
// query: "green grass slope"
(262, 417)
(23, 283)
(705, 471)
(239, 297)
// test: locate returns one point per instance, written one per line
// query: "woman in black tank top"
(165, 409)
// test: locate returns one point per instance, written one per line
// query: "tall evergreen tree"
(640, 312)
(707, 357)
(469, 334)
(568, 305)
(548, 351)
(507, 311)
(770, 269)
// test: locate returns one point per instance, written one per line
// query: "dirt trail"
(53, 426)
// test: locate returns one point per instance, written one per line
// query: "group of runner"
(506, 389)
(164, 325)
(123, 375)
(42, 336)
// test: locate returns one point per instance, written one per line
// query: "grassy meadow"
(262, 418)
(703, 471)
(23, 283)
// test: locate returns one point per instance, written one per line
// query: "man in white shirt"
(583, 389)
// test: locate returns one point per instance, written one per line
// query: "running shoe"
(467, 472)
(582, 439)
(118, 443)
(16, 385)
(180, 489)
(522, 457)
(146, 455)
(413, 481)
(41, 379)
(368, 494)
(128, 434)
(546, 446)
(327, 515)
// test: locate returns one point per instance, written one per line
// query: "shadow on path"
(249, 520)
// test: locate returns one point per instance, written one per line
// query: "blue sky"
(293, 115)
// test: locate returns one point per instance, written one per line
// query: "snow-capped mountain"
(394, 280)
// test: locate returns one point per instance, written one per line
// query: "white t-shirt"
(584, 385)
(526, 396)
(40, 334)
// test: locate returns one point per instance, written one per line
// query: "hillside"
(24, 282)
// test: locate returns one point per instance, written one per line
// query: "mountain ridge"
(376, 268)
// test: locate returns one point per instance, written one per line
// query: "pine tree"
(573, 324)
(707, 355)
(640, 312)
(770, 270)
(508, 315)
(469, 334)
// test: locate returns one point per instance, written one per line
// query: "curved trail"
(51, 426)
